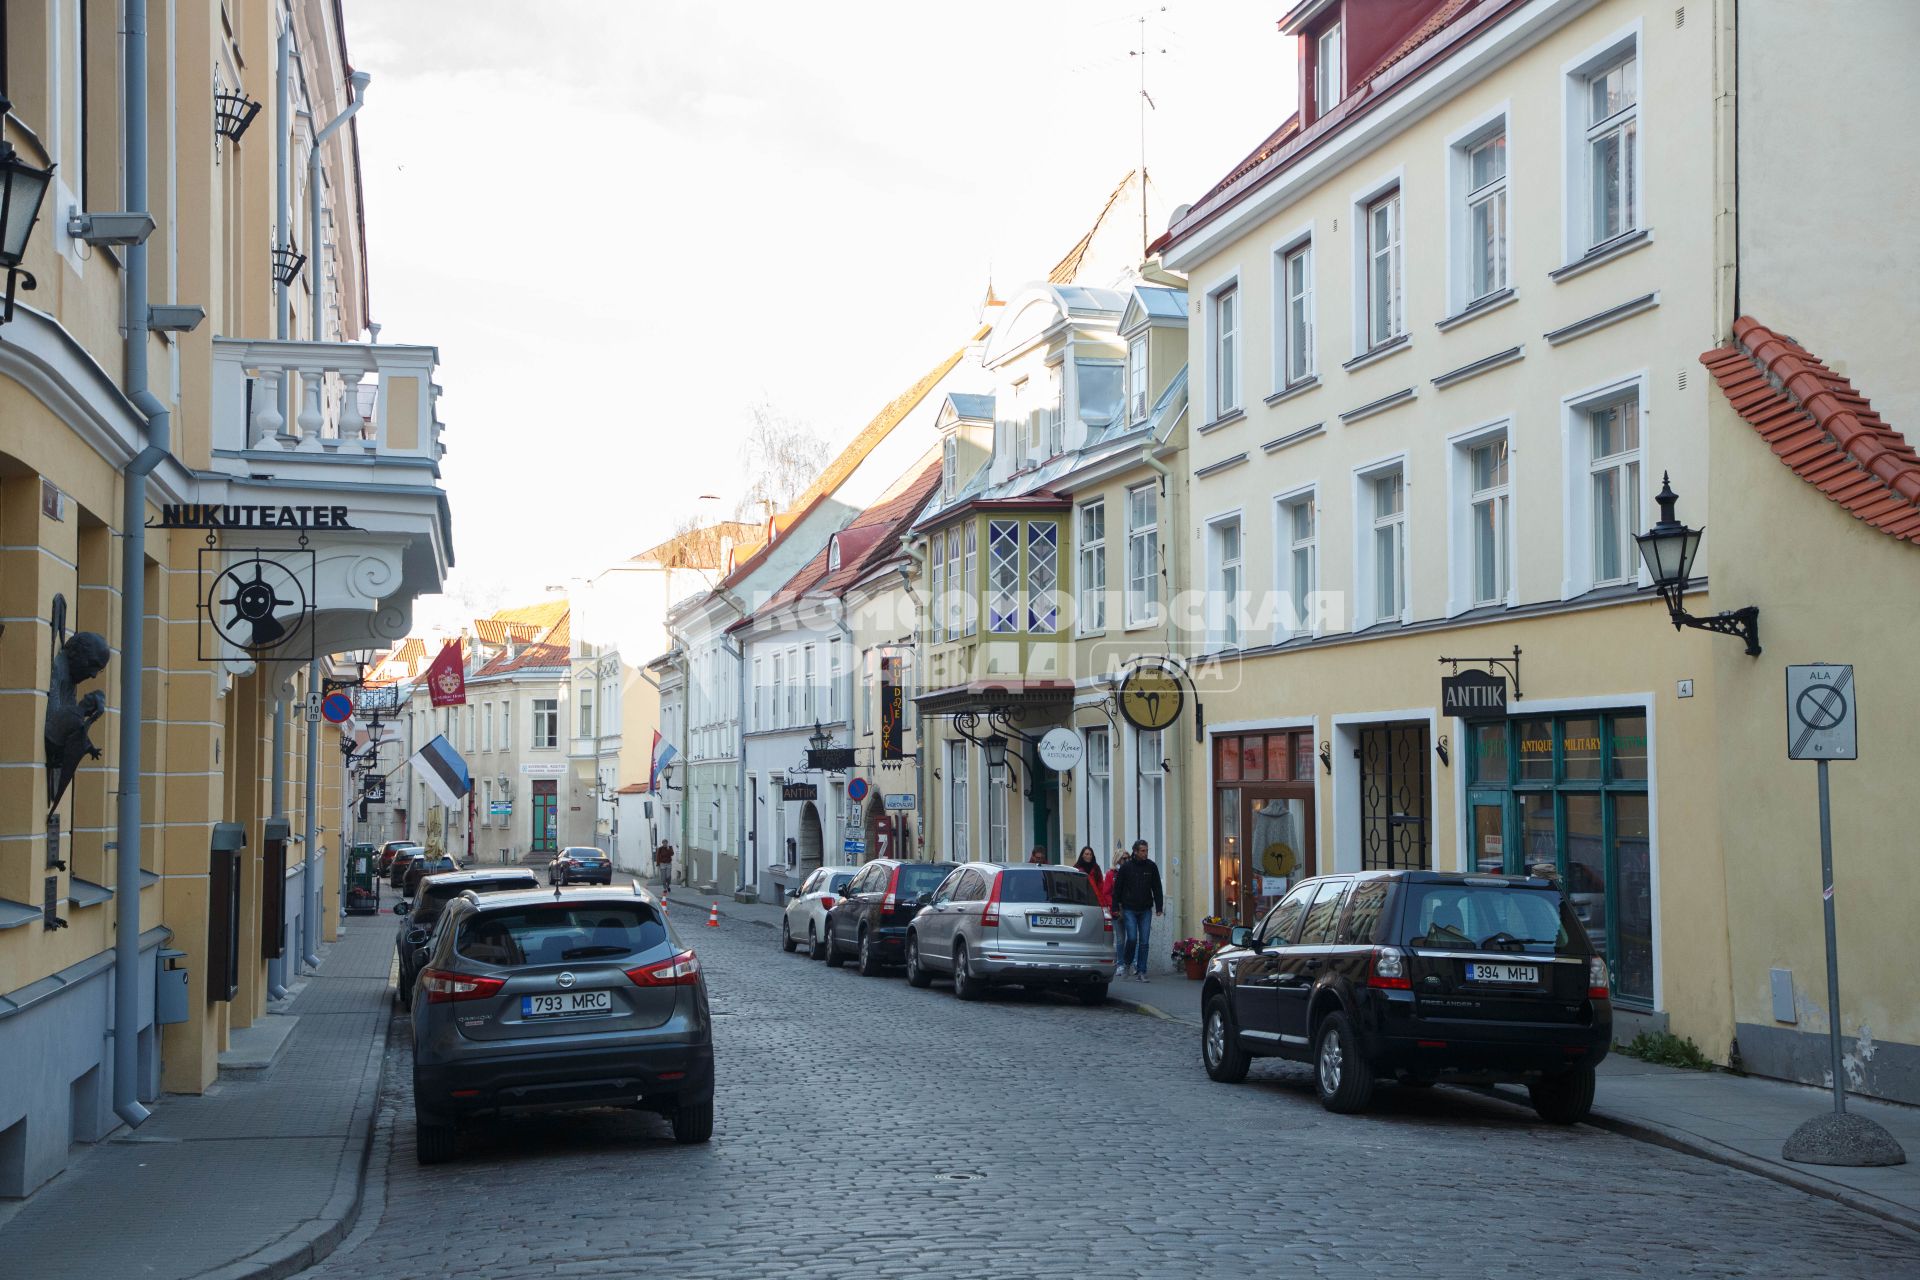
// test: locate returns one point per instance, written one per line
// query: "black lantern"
(22, 188)
(233, 111)
(287, 262)
(1669, 549)
(820, 739)
(996, 749)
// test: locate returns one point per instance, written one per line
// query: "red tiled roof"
(534, 655)
(1067, 270)
(1817, 424)
(866, 542)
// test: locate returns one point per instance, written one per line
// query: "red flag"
(447, 678)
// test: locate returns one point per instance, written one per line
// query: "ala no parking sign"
(1823, 711)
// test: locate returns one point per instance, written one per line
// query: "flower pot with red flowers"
(1192, 954)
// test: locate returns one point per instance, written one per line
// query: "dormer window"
(1328, 80)
(1137, 378)
(949, 462)
(833, 553)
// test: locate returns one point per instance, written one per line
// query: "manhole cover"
(958, 1175)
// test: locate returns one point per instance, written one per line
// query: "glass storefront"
(1566, 797)
(1263, 820)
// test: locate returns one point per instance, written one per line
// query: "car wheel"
(1565, 1098)
(1341, 1076)
(965, 985)
(1093, 994)
(834, 960)
(433, 1143)
(815, 950)
(786, 936)
(693, 1122)
(869, 958)
(1225, 1060)
(916, 976)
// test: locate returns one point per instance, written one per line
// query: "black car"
(580, 864)
(1417, 977)
(402, 859)
(870, 920)
(434, 894)
(553, 999)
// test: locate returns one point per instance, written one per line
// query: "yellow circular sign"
(1150, 698)
(1277, 859)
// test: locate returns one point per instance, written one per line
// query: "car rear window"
(1487, 917)
(559, 933)
(1071, 888)
(437, 896)
(917, 878)
(586, 855)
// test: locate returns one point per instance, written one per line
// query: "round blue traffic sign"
(336, 708)
(857, 789)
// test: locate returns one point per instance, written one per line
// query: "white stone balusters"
(267, 422)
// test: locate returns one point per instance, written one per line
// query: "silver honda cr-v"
(551, 999)
(1034, 926)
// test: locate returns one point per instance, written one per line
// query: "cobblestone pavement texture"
(865, 1128)
(252, 1177)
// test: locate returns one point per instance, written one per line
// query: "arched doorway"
(886, 833)
(810, 842)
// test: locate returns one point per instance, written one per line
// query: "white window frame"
(550, 714)
(1578, 129)
(1097, 826)
(757, 708)
(1302, 597)
(1462, 563)
(1014, 614)
(959, 803)
(958, 596)
(1226, 581)
(486, 728)
(999, 813)
(1149, 815)
(1366, 605)
(949, 463)
(1054, 412)
(1576, 451)
(1226, 354)
(1462, 196)
(1329, 73)
(1359, 205)
(1388, 256)
(1090, 559)
(1041, 602)
(583, 705)
(811, 698)
(1143, 593)
(969, 566)
(1137, 374)
(1290, 340)
(486, 802)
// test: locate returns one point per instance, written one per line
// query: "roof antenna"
(1146, 103)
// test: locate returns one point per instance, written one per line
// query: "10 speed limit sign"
(1822, 712)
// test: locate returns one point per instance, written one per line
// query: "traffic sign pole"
(1833, 950)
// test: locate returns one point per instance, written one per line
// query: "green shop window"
(1566, 797)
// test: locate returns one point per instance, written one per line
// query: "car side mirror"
(1240, 936)
(401, 908)
(419, 955)
(923, 900)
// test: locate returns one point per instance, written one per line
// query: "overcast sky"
(624, 222)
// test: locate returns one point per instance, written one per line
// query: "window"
(1488, 520)
(1055, 416)
(1613, 123)
(833, 553)
(969, 606)
(1486, 216)
(1143, 555)
(757, 708)
(829, 694)
(959, 589)
(486, 803)
(1615, 433)
(586, 711)
(997, 780)
(1298, 560)
(1296, 289)
(1226, 351)
(1388, 494)
(506, 724)
(776, 717)
(1327, 71)
(546, 723)
(1386, 318)
(1003, 575)
(1022, 425)
(1318, 927)
(793, 687)
(937, 560)
(1137, 378)
(1093, 568)
(1099, 826)
(1228, 580)
(1151, 794)
(1043, 575)
(949, 461)
(811, 698)
(959, 801)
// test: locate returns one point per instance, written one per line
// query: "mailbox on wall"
(223, 910)
(273, 888)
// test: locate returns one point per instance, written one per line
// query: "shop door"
(1278, 851)
(810, 837)
(546, 816)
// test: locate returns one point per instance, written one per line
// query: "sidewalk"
(258, 1177)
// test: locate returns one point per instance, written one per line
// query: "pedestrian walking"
(1088, 863)
(1138, 896)
(1038, 857)
(663, 858)
(1120, 948)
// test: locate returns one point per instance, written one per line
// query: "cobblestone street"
(865, 1128)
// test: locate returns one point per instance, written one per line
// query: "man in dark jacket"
(1138, 897)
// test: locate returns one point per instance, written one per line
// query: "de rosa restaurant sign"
(1474, 695)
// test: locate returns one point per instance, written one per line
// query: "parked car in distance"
(870, 920)
(554, 999)
(431, 898)
(992, 923)
(385, 864)
(422, 866)
(807, 907)
(580, 864)
(1418, 977)
(397, 869)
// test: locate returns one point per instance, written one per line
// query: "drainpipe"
(133, 587)
(310, 904)
(316, 279)
(916, 546)
(740, 766)
(282, 198)
(277, 808)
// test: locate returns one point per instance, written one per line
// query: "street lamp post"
(1669, 549)
(22, 188)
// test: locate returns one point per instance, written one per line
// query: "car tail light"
(1108, 915)
(446, 987)
(1388, 969)
(1597, 985)
(892, 899)
(826, 904)
(991, 915)
(680, 970)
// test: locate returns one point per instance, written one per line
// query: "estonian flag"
(444, 772)
(663, 754)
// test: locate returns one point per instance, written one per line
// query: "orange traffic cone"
(713, 917)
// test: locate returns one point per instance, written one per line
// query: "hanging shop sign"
(259, 602)
(1474, 695)
(831, 759)
(216, 515)
(374, 790)
(1150, 698)
(893, 706)
(799, 791)
(1059, 749)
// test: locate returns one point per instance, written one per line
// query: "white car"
(806, 912)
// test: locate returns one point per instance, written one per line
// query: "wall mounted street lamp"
(1668, 550)
(233, 111)
(820, 739)
(22, 188)
(287, 261)
(995, 745)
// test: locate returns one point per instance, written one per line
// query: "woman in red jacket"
(1102, 884)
